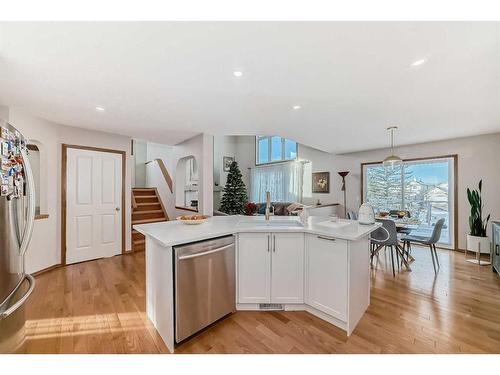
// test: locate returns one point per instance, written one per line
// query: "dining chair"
(429, 241)
(384, 237)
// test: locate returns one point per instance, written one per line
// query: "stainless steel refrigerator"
(17, 212)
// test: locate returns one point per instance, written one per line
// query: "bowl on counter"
(193, 219)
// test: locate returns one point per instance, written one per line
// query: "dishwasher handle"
(206, 252)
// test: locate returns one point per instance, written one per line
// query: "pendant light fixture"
(392, 160)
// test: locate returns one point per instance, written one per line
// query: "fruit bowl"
(193, 219)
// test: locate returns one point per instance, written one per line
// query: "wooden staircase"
(147, 207)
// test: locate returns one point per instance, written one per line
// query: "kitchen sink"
(270, 223)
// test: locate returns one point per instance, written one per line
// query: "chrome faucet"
(268, 204)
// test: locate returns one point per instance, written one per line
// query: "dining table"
(403, 226)
(401, 223)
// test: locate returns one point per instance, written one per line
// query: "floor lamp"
(343, 174)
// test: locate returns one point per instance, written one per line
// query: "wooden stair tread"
(144, 221)
(147, 212)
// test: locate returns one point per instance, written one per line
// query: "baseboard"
(38, 273)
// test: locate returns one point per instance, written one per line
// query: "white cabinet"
(287, 268)
(326, 275)
(254, 267)
(270, 268)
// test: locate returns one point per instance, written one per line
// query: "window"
(274, 149)
(423, 187)
(283, 181)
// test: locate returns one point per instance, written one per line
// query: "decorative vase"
(478, 245)
(481, 244)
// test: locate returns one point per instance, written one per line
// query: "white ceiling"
(167, 81)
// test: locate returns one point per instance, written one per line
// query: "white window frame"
(269, 149)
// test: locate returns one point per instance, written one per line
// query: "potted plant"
(477, 239)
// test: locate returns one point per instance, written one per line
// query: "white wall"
(242, 148)
(223, 146)
(45, 247)
(4, 112)
(245, 156)
(201, 147)
(140, 159)
(318, 161)
(154, 176)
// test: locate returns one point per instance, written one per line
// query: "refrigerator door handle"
(28, 228)
(22, 300)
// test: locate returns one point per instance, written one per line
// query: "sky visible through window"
(272, 149)
(430, 173)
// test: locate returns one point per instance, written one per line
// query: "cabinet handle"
(496, 249)
(274, 243)
(268, 246)
(326, 238)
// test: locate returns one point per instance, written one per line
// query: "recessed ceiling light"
(237, 73)
(99, 108)
(297, 107)
(418, 62)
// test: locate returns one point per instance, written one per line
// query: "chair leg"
(436, 255)
(392, 260)
(397, 256)
(374, 252)
(406, 250)
(403, 260)
(433, 262)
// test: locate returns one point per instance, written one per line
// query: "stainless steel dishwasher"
(204, 284)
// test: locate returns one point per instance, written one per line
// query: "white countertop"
(171, 233)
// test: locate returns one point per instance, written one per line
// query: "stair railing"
(164, 171)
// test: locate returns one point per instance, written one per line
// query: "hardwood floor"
(99, 307)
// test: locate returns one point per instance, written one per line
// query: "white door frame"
(64, 167)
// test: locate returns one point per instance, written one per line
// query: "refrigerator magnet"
(4, 190)
(5, 164)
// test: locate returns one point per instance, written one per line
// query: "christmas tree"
(235, 192)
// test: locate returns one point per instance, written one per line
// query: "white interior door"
(93, 205)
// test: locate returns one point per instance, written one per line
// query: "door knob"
(117, 208)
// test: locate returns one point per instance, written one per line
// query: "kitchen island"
(318, 266)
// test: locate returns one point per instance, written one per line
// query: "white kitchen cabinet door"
(326, 275)
(287, 268)
(254, 267)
